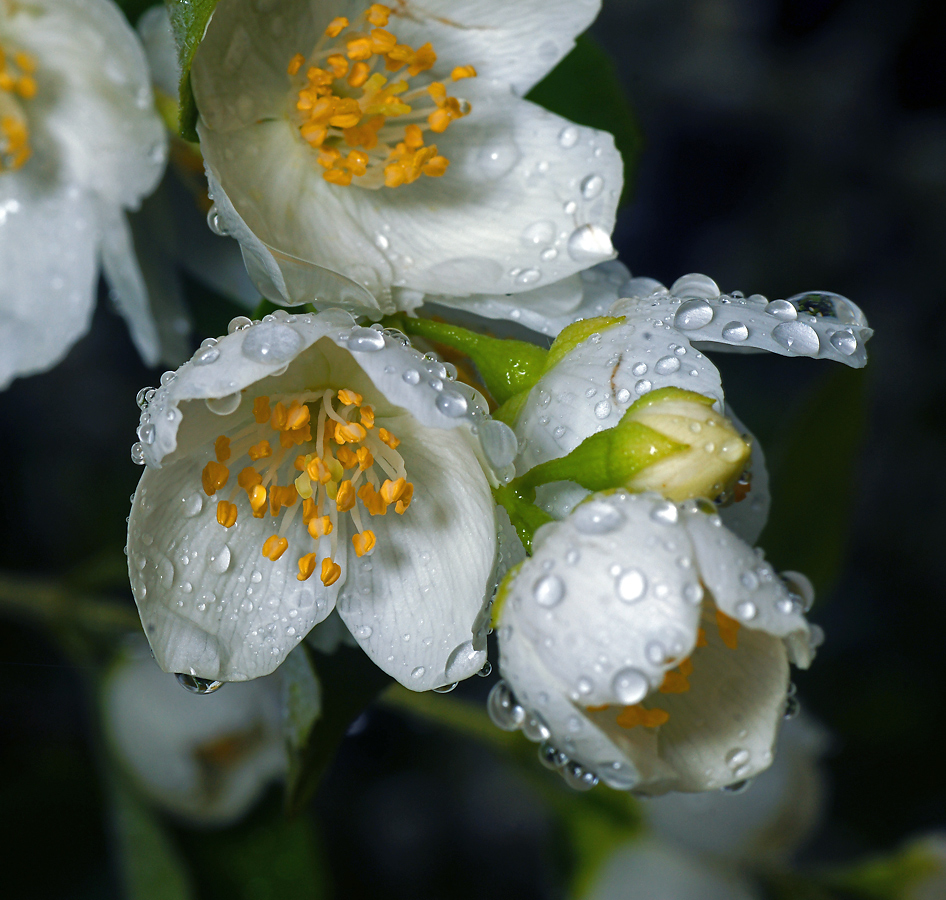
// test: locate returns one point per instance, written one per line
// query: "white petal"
(592, 386)
(515, 210)
(157, 39)
(121, 270)
(48, 247)
(211, 604)
(94, 98)
(652, 870)
(416, 604)
(818, 324)
(157, 730)
(743, 585)
(605, 601)
(518, 43)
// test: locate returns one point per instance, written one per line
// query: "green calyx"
(576, 333)
(525, 516)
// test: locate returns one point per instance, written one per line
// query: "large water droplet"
(271, 342)
(191, 506)
(495, 161)
(828, 304)
(539, 234)
(665, 512)
(631, 585)
(695, 285)
(844, 342)
(146, 434)
(592, 186)
(797, 337)
(238, 323)
(215, 222)
(365, 340)
(206, 355)
(198, 685)
(503, 709)
(568, 136)
(735, 332)
(452, 403)
(693, 314)
(602, 409)
(223, 406)
(630, 686)
(499, 443)
(596, 517)
(589, 244)
(783, 310)
(219, 559)
(667, 365)
(549, 590)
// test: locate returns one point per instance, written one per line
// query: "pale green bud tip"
(715, 453)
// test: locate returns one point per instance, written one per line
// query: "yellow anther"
(24, 61)
(413, 137)
(405, 500)
(336, 26)
(422, 60)
(632, 716)
(226, 513)
(297, 417)
(289, 438)
(378, 14)
(214, 477)
(331, 572)
(359, 74)
(677, 682)
(363, 542)
(301, 462)
(338, 64)
(358, 48)
(319, 526)
(280, 496)
(304, 486)
(728, 630)
(386, 437)
(306, 567)
(295, 64)
(222, 448)
(249, 478)
(309, 510)
(274, 547)
(438, 92)
(439, 120)
(261, 410)
(318, 471)
(262, 450)
(436, 167)
(278, 419)
(350, 398)
(349, 433)
(345, 497)
(26, 87)
(364, 459)
(257, 497)
(372, 500)
(393, 490)
(701, 638)
(461, 72)
(367, 417)
(347, 457)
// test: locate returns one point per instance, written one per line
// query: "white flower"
(332, 136)
(206, 758)
(311, 435)
(80, 142)
(649, 646)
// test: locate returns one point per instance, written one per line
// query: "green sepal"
(189, 21)
(525, 516)
(608, 459)
(576, 333)
(502, 592)
(509, 411)
(667, 393)
(507, 366)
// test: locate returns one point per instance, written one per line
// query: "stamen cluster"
(342, 102)
(16, 81)
(337, 469)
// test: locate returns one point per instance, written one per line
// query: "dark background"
(788, 146)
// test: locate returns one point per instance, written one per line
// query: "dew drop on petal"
(539, 234)
(452, 403)
(695, 285)
(630, 686)
(568, 136)
(797, 337)
(549, 590)
(365, 340)
(591, 186)
(597, 518)
(735, 332)
(667, 365)
(693, 314)
(219, 559)
(271, 342)
(223, 406)
(665, 512)
(191, 506)
(631, 585)
(589, 243)
(844, 342)
(783, 310)
(206, 355)
(411, 376)
(746, 610)
(602, 409)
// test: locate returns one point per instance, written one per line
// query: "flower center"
(16, 83)
(676, 680)
(344, 106)
(329, 467)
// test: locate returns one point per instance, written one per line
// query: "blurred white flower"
(331, 137)
(346, 472)
(648, 646)
(207, 758)
(80, 143)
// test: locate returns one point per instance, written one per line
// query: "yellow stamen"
(632, 716)
(677, 682)
(274, 547)
(728, 630)
(350, 398)
(331, 571)
(16, 82)
(363, 542)
(386, 437)
(249, 478)
(214, 477)
(222, 448)
(393, 490)
(367, 417)
(320, 526)
(405, 500)
(345, 498)
(372, 500)
(261, 410)
(262, 450)
(378, 14)
(364, 459)
(297, 417)
(461, 72)
(295, 64)
(226, 513)
(336, 27)
(306, 566)
(349, 433)
(347, 457)
(257, 497)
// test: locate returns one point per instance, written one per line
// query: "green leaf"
(302, 706)
(151, 867)
(350, 681)
(189, 21)
(813, 479)
(585, 88)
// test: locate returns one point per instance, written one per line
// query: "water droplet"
(578, 778)
(585, 685)
(746, 610)
(692, 315)
(206, 355)
(596, 517)
(223, 406)
(798, 337)
(630, 686)
(452, 403)
(535, 729)
(665, 512)
(782, 309)
(271, 342)
(602, 409)
(549, 590)
(568, 136)
(146, 434)
(381, 242)
(827, 304)
(215, 222)
(528, 276)
(497, 160)
(446, 688)
(499, 443)
(592, 186)
(667, 365)
(737, 757)
(844, 342)
(631, 585)
(418, 672)
(191, 505)
(693, 592)
(198, 685)
(589, 244)
(503, 709)
(552, 758)
(655, 652)
(538, 234)
(219, 559)
(238, 323)
(695, 285)
(365, 340)
(642, 386)
(735, 331)
(792, 707)
(800, 586)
